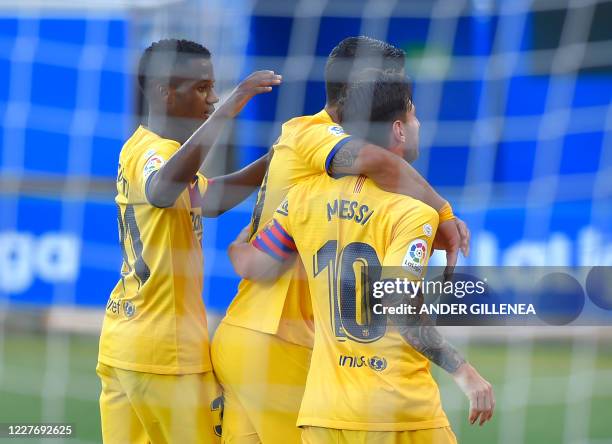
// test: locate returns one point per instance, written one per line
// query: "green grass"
(62, 367)
(53, 378)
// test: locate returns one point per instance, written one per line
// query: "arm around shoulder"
(389, 171)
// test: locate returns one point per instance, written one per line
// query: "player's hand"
(465, 234)
(243, 237)
(259, 82)
(478, 391)
(452, 236)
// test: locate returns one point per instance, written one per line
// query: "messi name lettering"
(349, 209)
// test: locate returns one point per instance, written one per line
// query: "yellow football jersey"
(363, 375)
(155, 319)
(305, 148)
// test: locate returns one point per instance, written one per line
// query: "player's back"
(303, 150)
(363, 375)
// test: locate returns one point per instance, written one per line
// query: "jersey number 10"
(351, 318)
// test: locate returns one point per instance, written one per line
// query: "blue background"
(38, 146)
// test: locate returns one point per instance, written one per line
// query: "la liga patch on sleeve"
(153, 164)
(415, 257)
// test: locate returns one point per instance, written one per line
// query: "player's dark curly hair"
(352, 55)
(373, 100)
(161, 58)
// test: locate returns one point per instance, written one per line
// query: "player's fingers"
(464, 233)
(492, 400)
(474, 414)
(267, 75)
(263, 78)
(274, 79)
(490, 403)
(244, 234)
(263, 84)
(451, 257)
(485, 407)
(481, 407)
(268, 80)
(484, 417)
(463, 243)
(482, 404)
(473, 410)
(488, 418)
(262, 73)
(262, 89)
(451, 262)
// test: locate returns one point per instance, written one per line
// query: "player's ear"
(166, 96)
(165, 93)
(399, 135)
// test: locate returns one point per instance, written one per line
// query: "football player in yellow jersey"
(154, 362)
(369, 378)
(261, 350)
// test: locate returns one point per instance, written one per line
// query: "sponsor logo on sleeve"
(428, 230)
(153, 164)
(416, 257)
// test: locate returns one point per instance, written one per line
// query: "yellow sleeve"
(317, 144)
(412, 242)
(149, 161)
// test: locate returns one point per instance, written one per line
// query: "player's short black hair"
(353, 54)
(375, 99)
(161, 58)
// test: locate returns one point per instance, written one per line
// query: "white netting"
(514, 103)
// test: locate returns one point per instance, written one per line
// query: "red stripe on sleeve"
(264, 236)
(282, 237)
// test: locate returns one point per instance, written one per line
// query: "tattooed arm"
(389, 171)
(419, 331)
(394, 174)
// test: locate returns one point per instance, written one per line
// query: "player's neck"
(332, 110)
(168, 128)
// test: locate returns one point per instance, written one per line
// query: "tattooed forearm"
(420, 332)
(345, 157)
(428, 341)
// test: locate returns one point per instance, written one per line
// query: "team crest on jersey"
(336, 130)
(377, 363)
(415, 258)
(153, 164)
(283, 208)
(129, 309)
